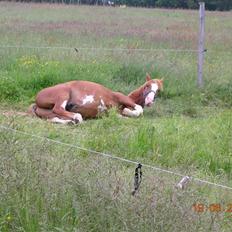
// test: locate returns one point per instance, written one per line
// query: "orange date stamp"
(212, 208)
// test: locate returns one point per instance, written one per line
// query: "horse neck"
(137, 96)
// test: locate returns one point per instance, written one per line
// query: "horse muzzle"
(149, 100)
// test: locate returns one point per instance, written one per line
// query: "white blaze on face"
(150, 97)
(88, 99)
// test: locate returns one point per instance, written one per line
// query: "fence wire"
(114, 157)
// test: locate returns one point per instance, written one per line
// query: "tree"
(186, 4)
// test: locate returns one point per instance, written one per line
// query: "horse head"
(147, 93)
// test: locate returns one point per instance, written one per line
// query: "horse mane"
(137, 96)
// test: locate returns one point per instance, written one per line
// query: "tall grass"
(47, 187)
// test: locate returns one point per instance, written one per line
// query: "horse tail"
(32, 110)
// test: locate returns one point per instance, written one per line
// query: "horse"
(74, 101)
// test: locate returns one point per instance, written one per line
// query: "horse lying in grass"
(74, 101)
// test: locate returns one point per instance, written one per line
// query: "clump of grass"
(129, 75)
(171, 142)
(218, 94)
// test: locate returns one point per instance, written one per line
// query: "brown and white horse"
(73, 101)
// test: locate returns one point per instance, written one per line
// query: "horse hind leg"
(31, 110)
(50, 116)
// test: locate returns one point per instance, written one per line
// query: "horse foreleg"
(138, 110)
(130, 108)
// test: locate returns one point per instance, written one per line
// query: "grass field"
(50, 187)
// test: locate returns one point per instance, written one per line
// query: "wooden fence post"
(201, 48)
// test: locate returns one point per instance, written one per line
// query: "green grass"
(49, 187)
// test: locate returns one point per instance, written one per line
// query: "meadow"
(50, 187)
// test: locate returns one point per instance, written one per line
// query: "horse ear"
(161, 84)
(148, 77)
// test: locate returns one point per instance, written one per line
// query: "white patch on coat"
(102, 107)
(88, 99)
(64, 104)
(133, 113)
(150, 97)
(102, 102)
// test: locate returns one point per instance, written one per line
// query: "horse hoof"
(77, 118)
(71, 122)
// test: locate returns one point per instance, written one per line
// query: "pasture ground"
(49, 187)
